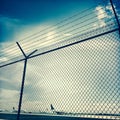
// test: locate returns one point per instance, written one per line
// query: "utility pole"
(23, 78)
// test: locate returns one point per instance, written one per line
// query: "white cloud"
(10, 52)
(8, 99)
(101, 14)
(8, 94)
(101, 23)
(3, 59)
(51, 35)
(9, 49)
(67, 34)
(12, 74)
(109, 7)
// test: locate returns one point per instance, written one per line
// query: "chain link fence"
(74, 77)
(80, 80)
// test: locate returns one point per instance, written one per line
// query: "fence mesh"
(80, 80)
(74, 73)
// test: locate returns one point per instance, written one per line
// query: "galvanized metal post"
(23, 78)
(22, 88)
(116, 17)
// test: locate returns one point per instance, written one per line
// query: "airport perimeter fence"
(75, 75)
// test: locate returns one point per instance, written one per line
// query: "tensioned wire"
(63, 46)
(55, 24)
(64, 20)
(48, 27)
(53, 49)
(110, 24)
(68, 28)
(82, 26)
(69, 32)
(64, 37)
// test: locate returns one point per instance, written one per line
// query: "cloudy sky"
(20, 19)
(75, 79)
(18, 14)
(35, 22)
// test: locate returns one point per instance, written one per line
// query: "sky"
(20, 19)
(18, 14)
(69, 80)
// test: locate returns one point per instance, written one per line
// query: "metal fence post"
(23, 78)
(116, 17)
(22, 88)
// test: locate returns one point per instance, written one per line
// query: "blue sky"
(18, 14)
(30, 11)
(20, 18)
